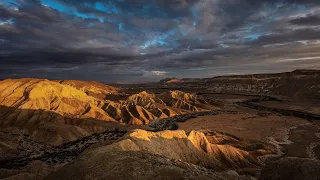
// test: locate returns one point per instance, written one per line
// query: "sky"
(132, 41)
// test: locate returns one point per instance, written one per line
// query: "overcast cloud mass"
(147, 40)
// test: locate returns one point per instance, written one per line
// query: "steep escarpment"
(69, 109)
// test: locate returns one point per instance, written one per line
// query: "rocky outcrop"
(291, 168)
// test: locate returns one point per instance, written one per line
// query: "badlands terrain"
(262, 126)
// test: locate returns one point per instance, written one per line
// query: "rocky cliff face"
(42, 106)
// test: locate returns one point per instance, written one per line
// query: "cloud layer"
(145, 40)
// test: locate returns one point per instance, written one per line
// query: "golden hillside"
(40, 105)
(193, 147)
(92, 88)
(162, 155)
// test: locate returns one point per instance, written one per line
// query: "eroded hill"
(69, 109)
(92, 88)
(164, 155)
(193, 147)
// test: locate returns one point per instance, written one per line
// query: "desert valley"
(261, 126)
(160, 89)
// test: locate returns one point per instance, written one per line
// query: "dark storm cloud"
(144, 40)
(309, 20)
(292, 36)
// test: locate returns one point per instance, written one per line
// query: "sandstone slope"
(92, 88)
(193, 148)
(161, 155)
(64, 110)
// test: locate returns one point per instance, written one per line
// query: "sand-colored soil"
(295, 136)
(249, 126)
(309, 107)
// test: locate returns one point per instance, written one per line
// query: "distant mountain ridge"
(171, 80)
(296, 72)
(296, 84)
